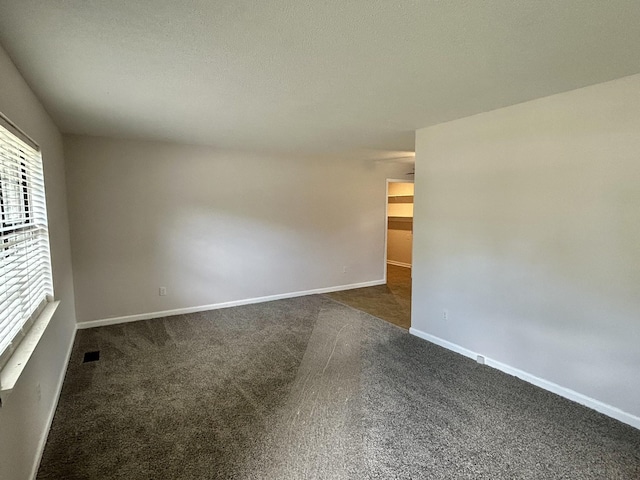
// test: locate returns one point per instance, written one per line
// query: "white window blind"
(25, 266)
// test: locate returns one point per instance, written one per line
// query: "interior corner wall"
(214, 227)
(527, 230)
(25, 415)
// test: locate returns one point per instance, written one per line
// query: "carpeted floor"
(307, 388)
(390, 302)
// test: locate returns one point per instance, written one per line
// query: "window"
(25, 268)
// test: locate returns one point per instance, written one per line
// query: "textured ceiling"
(306, 75)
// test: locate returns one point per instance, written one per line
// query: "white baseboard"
(215, 306)
(597, 405)
(52, 411)
(443, 343)
(399, 264)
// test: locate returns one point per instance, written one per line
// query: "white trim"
(597, 405)
(215, 306)
(443, 343)
(17, 362)
(386, 228)
(399, 264)
(54, 407)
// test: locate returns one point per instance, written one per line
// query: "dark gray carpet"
(308, 388)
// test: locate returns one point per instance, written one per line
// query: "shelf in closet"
(401, 198)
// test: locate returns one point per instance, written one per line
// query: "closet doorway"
(399, 245)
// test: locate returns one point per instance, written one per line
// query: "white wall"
(24, 416)
(399, 242)
(527, 230)
(215, 227)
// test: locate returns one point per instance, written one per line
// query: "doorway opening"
(390, 301)
(399, 243)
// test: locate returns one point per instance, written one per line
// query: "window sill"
(11, 372)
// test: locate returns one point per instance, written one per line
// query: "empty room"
(209, 270)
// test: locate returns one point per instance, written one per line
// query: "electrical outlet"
(38, 392)
(162, 291)
(445, 315)
(344, 269)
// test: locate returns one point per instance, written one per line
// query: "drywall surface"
(215, 227)
(25, 415)
(527, 231)
(399, 242)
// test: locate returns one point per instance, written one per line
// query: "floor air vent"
(91, 356)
